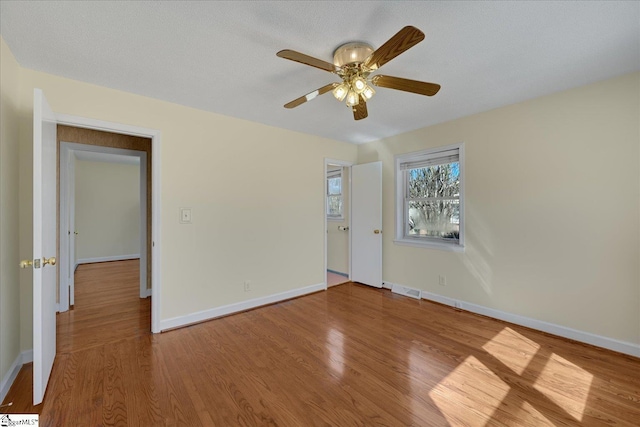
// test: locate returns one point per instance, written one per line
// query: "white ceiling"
(221, 56)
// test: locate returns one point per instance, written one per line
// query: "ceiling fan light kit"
(353, 62)
(349, 58)
(352, 98)
(368, 92)
(340, 92)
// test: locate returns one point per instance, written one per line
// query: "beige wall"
(552, 210)
(9, 219)
(244, 226)
(107, 214)
(338, 241)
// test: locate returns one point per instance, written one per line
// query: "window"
(430, 198)
(334, 195)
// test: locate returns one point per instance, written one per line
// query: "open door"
(44, 244)
(366, 224)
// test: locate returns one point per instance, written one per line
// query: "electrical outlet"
(185, 215)
(247, 286)
(442, 280)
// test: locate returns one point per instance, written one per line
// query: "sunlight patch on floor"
(566, 384)
(512, 349)
(470, 394)
(335, 345)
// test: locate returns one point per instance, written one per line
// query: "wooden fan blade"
(310, 95)
(360, 111)
(404, 39)
(414, 86)
(307, 60)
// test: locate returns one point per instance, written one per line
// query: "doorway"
(108, 138)
(337, 204)
(103, 211)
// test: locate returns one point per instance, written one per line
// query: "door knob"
(50, 261)
(25, 263)
(377, 231)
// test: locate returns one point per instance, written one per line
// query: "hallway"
(107, 307)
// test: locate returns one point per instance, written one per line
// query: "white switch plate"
(185, 215)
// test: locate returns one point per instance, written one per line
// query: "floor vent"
(408, 292)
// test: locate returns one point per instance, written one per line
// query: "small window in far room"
(334, 195)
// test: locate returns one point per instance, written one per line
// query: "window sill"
(335, 219)
(451, 247)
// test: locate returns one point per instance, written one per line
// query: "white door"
(44, 244)
(366, 224)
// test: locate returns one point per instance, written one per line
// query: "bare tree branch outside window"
(433, 201)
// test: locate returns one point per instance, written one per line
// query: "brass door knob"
(25, 263)
(377, 231)
(50, 261)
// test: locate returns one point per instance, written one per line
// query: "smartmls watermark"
(10, 420)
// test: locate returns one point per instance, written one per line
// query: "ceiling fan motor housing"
(351, 53)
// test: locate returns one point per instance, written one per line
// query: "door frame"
(156, 217)
(69, 150)
(347, 165)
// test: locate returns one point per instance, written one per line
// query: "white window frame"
(426, 242)
(334, 174)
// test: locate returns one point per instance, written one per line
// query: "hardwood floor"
(350, 356)
(334, 279)
(107, 307)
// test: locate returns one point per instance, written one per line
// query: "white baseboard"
(225, 310)
(551, 328)
(106, 259)
(27, 356)
(10, 376)
(407, 291)
(339, 273)
(442, 300)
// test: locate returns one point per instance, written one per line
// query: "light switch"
(185, 215)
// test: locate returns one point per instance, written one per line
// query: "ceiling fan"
(354, 62)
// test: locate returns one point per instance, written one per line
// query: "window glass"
(429, 198)
(334, 195)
